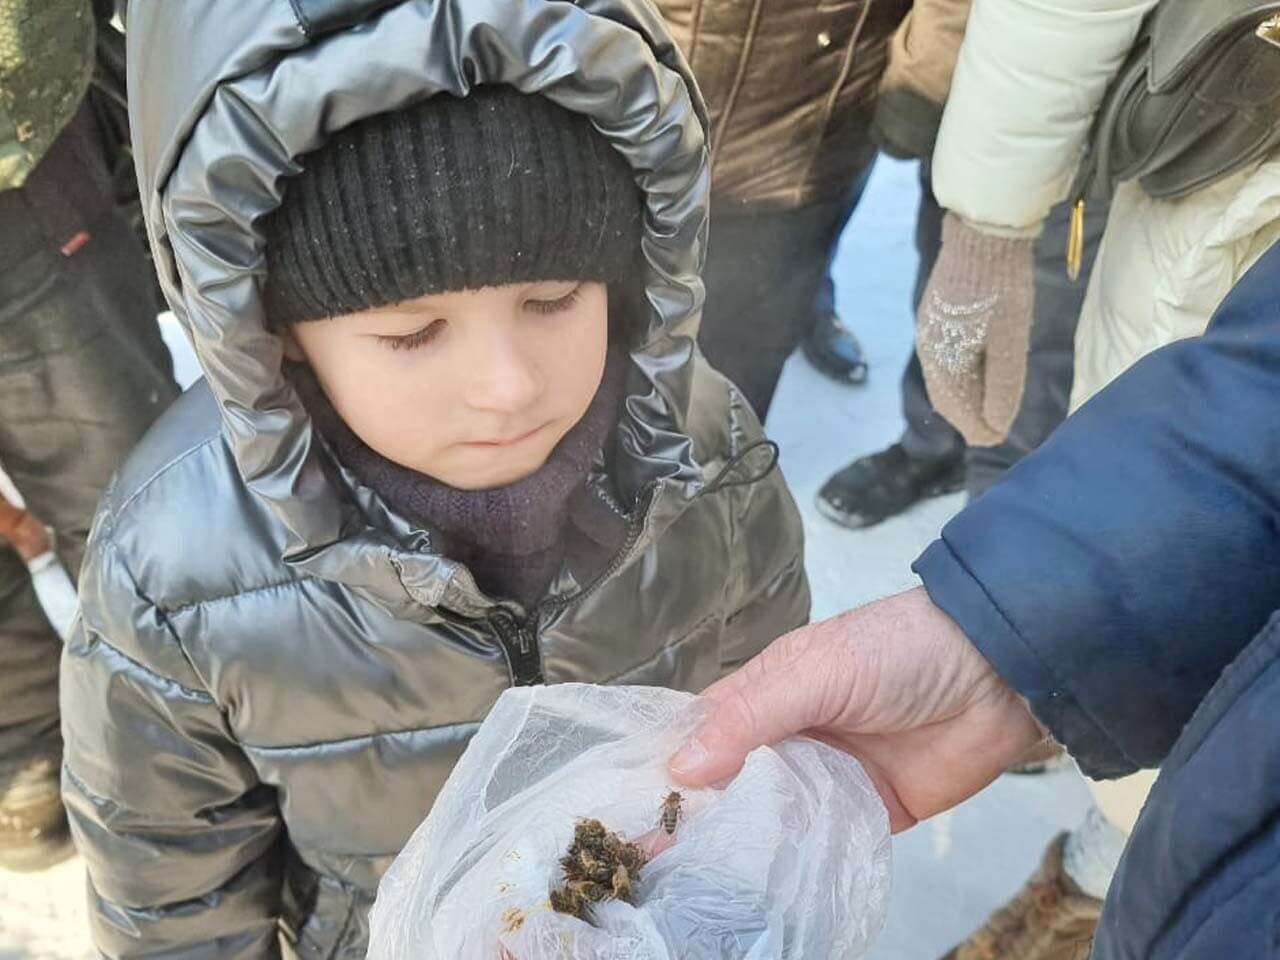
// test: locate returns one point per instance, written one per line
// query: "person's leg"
(830, 346)
(33, 830)
(1094, 848)
(927, 436)
(762, 274)
(1050, 918)
(928, 459)
(1055, 914)
(826, 299)
(1121, 801)
(81, 379)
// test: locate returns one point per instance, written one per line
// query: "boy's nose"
(503, 381)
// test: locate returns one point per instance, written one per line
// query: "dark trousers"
(767, 277)
(1050, 361)
(826, 301)
(83, 373)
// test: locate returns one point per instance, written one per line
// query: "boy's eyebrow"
(404, 307)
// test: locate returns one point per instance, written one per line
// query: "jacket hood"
(227, 94)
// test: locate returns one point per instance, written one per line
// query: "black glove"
(906, 124)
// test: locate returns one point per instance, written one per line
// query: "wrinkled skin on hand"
(896, 684)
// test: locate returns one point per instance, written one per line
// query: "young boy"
(454, 435)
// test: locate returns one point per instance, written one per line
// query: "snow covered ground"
(949, 872)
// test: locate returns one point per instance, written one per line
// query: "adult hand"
(22, 531)
(973, 330)
(896, 684)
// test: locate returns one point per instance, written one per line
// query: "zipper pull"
(520, 645)
(1075, 241)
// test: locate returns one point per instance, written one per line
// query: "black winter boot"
(882, 485)
(33, 824)
(833, 350)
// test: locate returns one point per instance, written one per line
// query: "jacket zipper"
(520, 645)
(634, 527)
(519, 639)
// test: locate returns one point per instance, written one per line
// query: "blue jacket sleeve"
(1113, 574)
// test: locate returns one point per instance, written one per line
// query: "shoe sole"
(855, 377)
(852, 522)
(1037, 767)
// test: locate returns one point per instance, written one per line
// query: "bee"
(671, 813)
(590, 866)
(564, 900)
(621, 883)
(587, 890)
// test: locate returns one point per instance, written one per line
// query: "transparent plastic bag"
(789, 859)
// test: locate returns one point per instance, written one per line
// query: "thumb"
(10, 517)
(772, 697)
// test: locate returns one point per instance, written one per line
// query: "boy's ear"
(291, 349)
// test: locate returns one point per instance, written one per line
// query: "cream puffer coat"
(1031, 75)
(1166, 265)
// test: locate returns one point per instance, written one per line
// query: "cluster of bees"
(600, 865)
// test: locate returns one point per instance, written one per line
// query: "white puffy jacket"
(1166, 265)
(1030, 77)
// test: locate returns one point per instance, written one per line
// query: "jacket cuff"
(906, 124)
(956, 592)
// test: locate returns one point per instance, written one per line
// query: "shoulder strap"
(1183, 30)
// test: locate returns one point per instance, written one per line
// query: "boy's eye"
(419, 338)
(555, 306)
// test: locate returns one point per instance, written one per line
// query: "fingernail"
(690, 758)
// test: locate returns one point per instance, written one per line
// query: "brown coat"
(791, 88)
(924, 50)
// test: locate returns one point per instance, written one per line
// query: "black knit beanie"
(450, 194)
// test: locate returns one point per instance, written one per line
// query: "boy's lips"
(508, 441)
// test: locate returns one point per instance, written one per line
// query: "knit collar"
(516, 520)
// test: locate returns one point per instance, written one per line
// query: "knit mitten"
(974, 329)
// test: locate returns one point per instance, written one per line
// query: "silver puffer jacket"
(274, 674)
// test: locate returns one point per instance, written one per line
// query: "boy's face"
(473, 388)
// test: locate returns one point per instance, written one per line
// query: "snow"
(948, 873)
